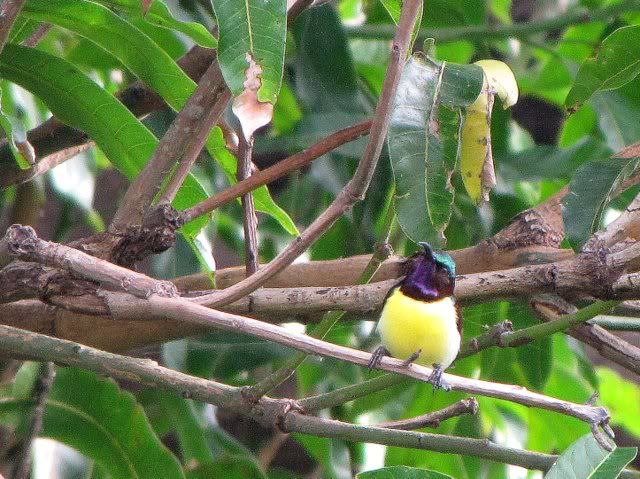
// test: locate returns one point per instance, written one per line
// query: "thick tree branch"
(182, 142)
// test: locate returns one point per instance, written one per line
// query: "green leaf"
(617, 62)
(617, 115)
(256, 28)
(105, 424)
(585, 459)
(590, 190)
(160, 15)
(17, 140)
(621, 398)
(326, 79)
(423, 142)
(401, 472)
(156, 69)
(536, 358)
(138, 53)
(229, 468)
(79, 102)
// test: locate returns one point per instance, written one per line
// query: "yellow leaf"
(476, 159)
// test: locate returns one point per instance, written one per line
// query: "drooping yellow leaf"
(476, 159)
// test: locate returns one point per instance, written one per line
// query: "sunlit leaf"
(17, 139)
(158, 14)
(616, 62)
(586, 459)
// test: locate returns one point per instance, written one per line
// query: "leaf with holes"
(423, 145)
(255, 29)
(590, 191)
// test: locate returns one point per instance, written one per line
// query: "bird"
(420, 321)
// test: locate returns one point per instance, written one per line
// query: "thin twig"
(269, 412)
(278, 170)
(329, 320)
(434, 418)
(610, 346)
(37, 35)
(181, 143)
(249, 218)
(9, 11)
(40, 392)
(356, 188)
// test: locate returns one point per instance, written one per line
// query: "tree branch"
(357, 186)
(433, 419)
(575, 16)
(182, 142)
(268, 412)
(249, 218)
(9, 11)
(278, 170)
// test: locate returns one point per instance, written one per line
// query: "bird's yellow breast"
(408, 325)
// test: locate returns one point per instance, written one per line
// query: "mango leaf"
(158, 14)
(401, 472)
(585, 459)
(423, 142)
(105, 424)
(79, 102)
(590, 191)
(256, 30)
(17, 139)
(229, 468)
(616, 63)
(152, 65)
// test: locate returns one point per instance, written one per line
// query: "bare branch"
(9, 11)
(182, 141)
(278, 170)
(268, 412)
(249, 219)
(433, 419)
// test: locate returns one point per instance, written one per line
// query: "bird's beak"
(428, 251)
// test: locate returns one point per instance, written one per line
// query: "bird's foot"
(412, 358)
(437, 380)
(377, 356)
